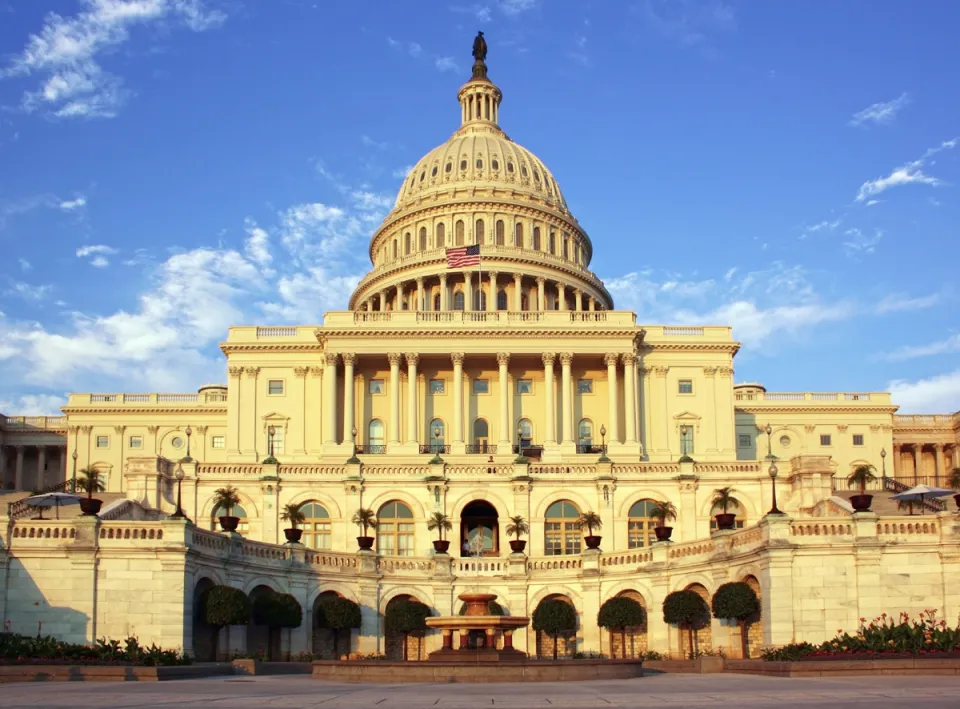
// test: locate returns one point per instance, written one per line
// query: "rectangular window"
(685, 386)
(277, 440)
(584, 386)
(481, 386)
(219, 442)
(136, 441)
(744, 440)
(103, 441)
(858, 439)
(438, 386)
(375, 386)
(524, 386)
(825, 439)
(275, 387)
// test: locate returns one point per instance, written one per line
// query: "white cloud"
(402, 172)
(28, 291)
(25, 265)
(859, 243)
(71, 204)
(481, 12)
(67, 49)
(257, 245)
(371, 143)
(871, 202)
(824, 226)
(412, 48)
(446, 64)
(33, 405)
(911, 173)
(880, 113)
(901, 302)
(945, 346)
(516, 7)
(689, 22)
(936, 394)
(98, 254)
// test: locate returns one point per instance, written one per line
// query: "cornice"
(800, 408)
(228, 347)
(729, 347)
(476, 332)
(69, 410)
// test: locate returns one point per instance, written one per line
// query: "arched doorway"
(704, 636)
(755, 623)
(393, 642)
(566, 644)
(203, 645)
(635, 638)
(260, 639)
(322, 638)
(479, 522)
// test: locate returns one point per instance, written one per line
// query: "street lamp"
(436, 440)
(684, 429)
(883, 463)
(180, 474)
(769, 431)
(271, 430)
(189, 432)
(74, 456)
(774, 510)
(603, 439)
(520, 439)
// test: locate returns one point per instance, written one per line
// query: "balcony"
(159, 400)
(371, 449)
(434, 448)
(481, 449)
(49, 423)
(842, 398)
(350, 319)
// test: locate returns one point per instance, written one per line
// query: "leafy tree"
(518, 525)
(439, 522)
(724, 499)
(224, 606)
(226, 497)
(687, 610)
(862, 475)
(276, 611)
(954, 480)
(663, 512)
(89, 481)
(555, 618)
(620, 613)
(590, 520)
(365, 519)
(292, 514)
(739, 602)
(338, 614)
(406, 617)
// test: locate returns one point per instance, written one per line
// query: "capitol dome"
(480, 189)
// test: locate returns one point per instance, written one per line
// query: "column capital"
(561, 286)
(457, 357)
(119, 429)
(315, 371)
(661, 371)
(517, 276)
(202, 430)
(153, 430)
(611, 358)
(548, 358)
(251, 372)
(578, 292)
(468, 276)
(541, 280)
(725, 371)
(413, 359)
(87, 429)
(494, 274)
(566, 358)
(629, 359)
(234, 372)
(349, 358)
(18, 448)
(394, 358)
(710, 371)
(443, 277)
(301, 372)
(331, 358)
(419, 281)
(503, 358)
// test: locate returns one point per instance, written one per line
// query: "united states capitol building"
(515, 387)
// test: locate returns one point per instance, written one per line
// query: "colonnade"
(13, 459)
(945, 457)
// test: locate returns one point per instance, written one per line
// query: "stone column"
(420, 304)
(18, 469)
(349, 360)
(329, 416)
(939, 472)
(444, 305)
(541, 295)
(42, 463)
(383, 300)
(578, 294)
(503, 445)
(713, 438)
(917, 462)
(62, 462)
(517, 292)
(412, 360)
(659, 401)
(613, 429)
(592, 303)
(468, 291)
(393, 429)
(3, 467)
(566, 411)
(630, 397)
(457, 358)
(551, 424)
(492, 296)
(562, 295)
(399, 305)
(248, 417)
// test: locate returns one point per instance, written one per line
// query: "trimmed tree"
(518, 525)
(439, 523)
(88, 480)
(292, 514)
(338, 614)
(618, 614)
(406, 617)
(224, 606)
(555, 618)
(227, 498)
(688, 611)
(739, 602)
(862, 475)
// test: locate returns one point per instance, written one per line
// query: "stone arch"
(316, 495)
(553, 589)
(393, 642)
(566, 645)
(573, 496)
(322, 639)
(473, 496)
(623, 510)
(753, 513)
(703, 641)
(754, 624)
(247, 502)
(402, 496)
(203, 634)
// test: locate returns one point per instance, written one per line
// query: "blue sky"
(169, 168)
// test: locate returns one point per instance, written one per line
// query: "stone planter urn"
(293, 535)
(861, 503)
(365, 543)
(726, 520)
(592, 541)
(90, 505)
(956, 498)
(441, 545)
(663, 533)
(518, 545)
(229, 524)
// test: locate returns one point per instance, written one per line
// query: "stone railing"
(820, 529)
(41, 530)
(908, 526)
(931, 420)
(641, 469)
(477, 469)
(400, 471)
(481, 318)
(749, 468)
(125, 532)
(554, 563)
(263, 550)
(688, 549)
(480, 567)
(33, 422)
(332, 560)
(405, 565)
(626, 559)
(152, 399)
(558, 469)
(837, 397)
(743, 539)
(229, 469)
(313, 469)
(212, 541)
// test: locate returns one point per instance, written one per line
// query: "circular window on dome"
(449, 167)
(433, 172)
(495, 165)
(509, 167)
(463, 164)
(785, 441)
(176, 442)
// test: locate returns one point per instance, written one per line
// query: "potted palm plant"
(227, 498)
(590, 520)
(860, 476)
(441, 523)
(365, 519)
(954, 482)
(724, 499)
(663, 512)
(518, 525)
(89, 482)
(292, 514)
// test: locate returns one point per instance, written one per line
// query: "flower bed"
(47, 650)
(880, 639)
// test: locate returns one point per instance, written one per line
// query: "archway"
(754, 623)
(260, 639)
(322, 638)
(566, 644)
(704, 635)
(393, 642)
(479, 521)
(635, 638)
(202, 632)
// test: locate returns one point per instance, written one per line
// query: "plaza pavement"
(659, 691)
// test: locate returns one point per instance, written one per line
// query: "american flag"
(461, 256)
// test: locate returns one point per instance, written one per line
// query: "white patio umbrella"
(918, 493)
(52, 499)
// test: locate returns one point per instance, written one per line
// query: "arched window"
(316, 526)
(525, 430)
(236, 511)
(478, 233)
(738, 509)
(375, 437)
(501, 299)
(439, 240)
(395, 530)
(640, 525)
(553, 243)
(423, 238)
(585, 436)
(536, 238)
(394, 249)
(458, 301)
(561, 533)
(500, 233)
(566, 247)
(518, 235)
(437, 436)
(406, 244)
(458, 232)
(481, 435)
(479, 300)
(436, 301)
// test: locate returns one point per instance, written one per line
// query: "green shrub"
(406, 617)
(338, 614)
(619, 613)
(555, 618)
(20, 649)
(687, 610)
(737, 601)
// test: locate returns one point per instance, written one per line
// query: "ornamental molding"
(815, 409)
(809, 428)
(349, 359)
(147, 410)
(661, 371)
(503, 358)
(251, 372)
(726, 371)
(234, 372)
(477, 333)
(874, 428)
(316, 371)
(153, 429)
(119, 430)
(687, 418)
(548, 358)
(842, 427)
(566, 358)
(301, 372)
(413, 359)
(457, 358)
(394, 358)
(86, 429)
(611, 359)
(331, 358)
(231, 348)
(710, 371)
(203, 430)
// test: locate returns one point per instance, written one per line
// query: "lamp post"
(883, 463)
(684, 429)
(189, 432)
(769, 431)
(603, 439)
(520, 439)
(74, 456)
(179, 474)
(354, 432)
(271, 430)
(436, 440)
(774, 510)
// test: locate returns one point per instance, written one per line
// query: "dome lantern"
(479, 97)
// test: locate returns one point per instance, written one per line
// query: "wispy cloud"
(28, 291)
(25, 265)
(579, 51)
(690, 23)
(880, 113)
(516, 7)
(911, 173)
(412, 48)
(857, 242)
(97, 254)
(946, 346)
(902, 302)
(936, 394)
(446, 64)
(67, 50)
(481, 12)
(402, 172)
(824, 226)
(70, 204)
